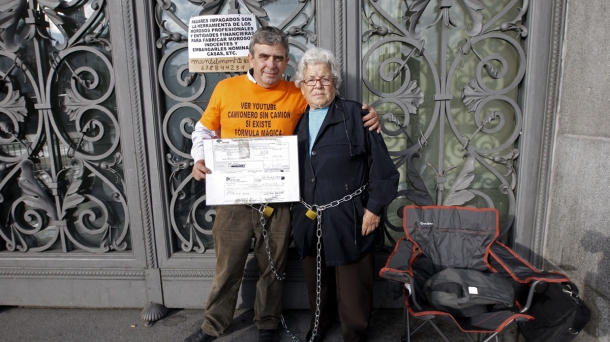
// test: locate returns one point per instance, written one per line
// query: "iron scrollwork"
(61, 186)
(191, 219)
(481, 127)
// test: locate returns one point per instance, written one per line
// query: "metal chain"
(290, 334)
(316, 323)
(314, 331)
(263, 220)
(318, 209)
(333, 204)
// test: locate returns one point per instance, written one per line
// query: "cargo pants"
(233, 230)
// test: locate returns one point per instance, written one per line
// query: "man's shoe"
(268, 335)
(316, 338)
(199, 336)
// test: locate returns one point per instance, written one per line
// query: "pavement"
(49, 324)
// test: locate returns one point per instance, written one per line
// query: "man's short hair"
(269, 35)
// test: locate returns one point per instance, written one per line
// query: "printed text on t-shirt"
(258, 119)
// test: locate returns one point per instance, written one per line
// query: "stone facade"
(578, 231)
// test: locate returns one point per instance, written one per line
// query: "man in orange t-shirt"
(257, 104)
(254, 111)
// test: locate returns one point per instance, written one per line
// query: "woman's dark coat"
(345, 155)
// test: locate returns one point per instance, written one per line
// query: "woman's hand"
(370, 222)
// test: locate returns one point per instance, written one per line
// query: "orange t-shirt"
(243, 109)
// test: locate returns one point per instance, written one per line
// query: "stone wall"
(578, 222)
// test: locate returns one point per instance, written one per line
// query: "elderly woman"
(346, 178)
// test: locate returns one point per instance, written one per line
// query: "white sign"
(220, 43)
(255, 170)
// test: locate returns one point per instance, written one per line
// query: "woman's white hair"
(317, 55)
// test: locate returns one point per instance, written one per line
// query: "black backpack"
(467, 293)
(559, 314)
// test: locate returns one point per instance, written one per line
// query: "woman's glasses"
(323, 81)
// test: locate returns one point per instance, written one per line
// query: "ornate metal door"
(450, 78)
(446, 75)
(98, 207)
(71, 213)
(96, 108)
(183, 222)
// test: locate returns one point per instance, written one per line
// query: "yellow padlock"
(311, 214)
(268, 211)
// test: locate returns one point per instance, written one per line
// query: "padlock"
(311, 214)
(268, 211)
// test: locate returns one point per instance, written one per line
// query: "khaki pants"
(233, 230)
(346, 289)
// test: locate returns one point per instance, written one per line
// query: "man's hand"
(199, 170)
(370, 222)
(371, 120)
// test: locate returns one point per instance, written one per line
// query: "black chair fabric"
(440, 237)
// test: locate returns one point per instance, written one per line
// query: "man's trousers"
(233, 230)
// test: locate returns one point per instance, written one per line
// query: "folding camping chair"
(438, 238)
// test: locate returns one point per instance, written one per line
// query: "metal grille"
(61, 171)
(445, 76)
(186, 95)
